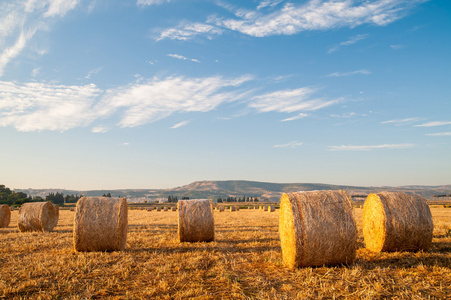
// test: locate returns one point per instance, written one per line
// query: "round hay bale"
(158, 208)
(397, 222)
(100, 224)
(165, 208)
(5, 216)
(232, 208)
(271, 208)
(265, 208)
(174, 208)
(37, 216)
(221, 208)
(72, 209)
(195, 220)
(317, 228)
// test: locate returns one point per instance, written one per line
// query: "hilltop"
(237, 188)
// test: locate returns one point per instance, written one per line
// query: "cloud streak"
(370, 147)
(293, 144)
(358, 72)
(434, 124)
(294, 18)
(181, 124)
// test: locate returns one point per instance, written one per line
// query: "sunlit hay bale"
(12, 208)
(265, 208)
(5, 216)
(221, 208)
(317, 228)
(397, 222)
(165, 208)
(195, 220)
(37, 216)
(271, 208)
(261, 207)
(158, 208)
(72, 209)
(149, 209)
(174, 208)
(100, 224)
(232, 208)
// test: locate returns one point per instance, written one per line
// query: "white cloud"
(41, 106)
(358, 72)
(297, 117)
(397, 47)
(151, 2)
(183, 123)
(188, 31)
(293, 144)
(439, 134)
(400, 122)
(294, 18)
(289, 101)
(433, 124)
(349, 42)
(100, 129)
(20, 21)
(181, 57)
(370, 147)
(157, 98)
(93, 72)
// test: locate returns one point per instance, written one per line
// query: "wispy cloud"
(93, 72)
(183, 123)
(439, 134)
(151, 2)
(358, 72)
(293, 144)
(100, 129)
(370, 147)
(157, 98)
(289, 101)
(397, 47)
(349, 42)
(433, 124)
(181, 57)
(41, 106)
(297, 117)
(20, 21)
(401, 122)
(294, 18)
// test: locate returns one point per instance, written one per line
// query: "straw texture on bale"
(158, 208)
(265, 208)
(317, 228)
(232, 208)
(37, 216)
(5, 216)
(397, 222)
(165, 209)
(174, 208)
(221, 208)
(100, 224)
(195, 220)
(272, 208)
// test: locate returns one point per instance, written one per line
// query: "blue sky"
(159, 93)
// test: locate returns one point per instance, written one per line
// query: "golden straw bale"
(5, 215)
(265, 208)
(317, 228)
(174, 208)
(195, 220)
(221, 208)
(272, 208)
(232, 208)
(100, 224)
(165, 208)
(395, 221)
(37, 216)
(158, 208)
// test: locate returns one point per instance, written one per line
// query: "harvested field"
(244, 262)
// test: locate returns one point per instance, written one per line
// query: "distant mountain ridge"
(237, 188)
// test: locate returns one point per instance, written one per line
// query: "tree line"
(9, 197)
(239, 199)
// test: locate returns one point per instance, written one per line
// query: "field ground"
(243, 263)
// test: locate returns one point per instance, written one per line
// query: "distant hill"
(240, 188)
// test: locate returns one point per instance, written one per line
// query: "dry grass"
(244, 262)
